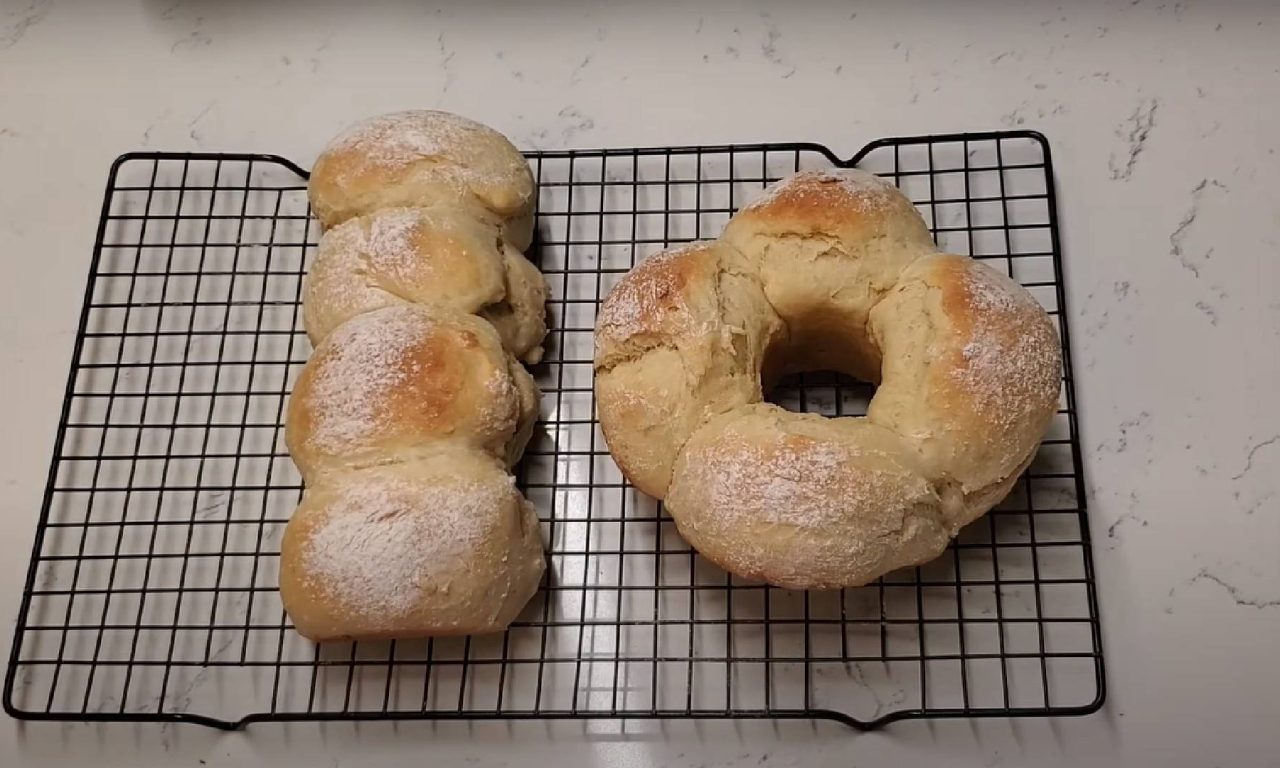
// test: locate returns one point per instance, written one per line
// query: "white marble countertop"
(1164, 120)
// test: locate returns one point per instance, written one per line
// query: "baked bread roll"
(681, 339)
(404, 420)
(783, 497)
(425, 158)
(971, 376)
(826, 270)
(426, 256)
(389, 382)
(441, 544)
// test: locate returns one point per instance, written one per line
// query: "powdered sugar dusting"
(863, 189)
(362, 362)
(388, 243)
(786, 483)
(389, 543)
(385, 540)
(427, 256)
(992, 291)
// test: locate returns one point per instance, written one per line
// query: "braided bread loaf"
(404, 421)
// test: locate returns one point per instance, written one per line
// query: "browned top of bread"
(827, 269)
(677, 340)
(397, 378)
(826, 246)
(673, 296)
(972, 368)
(844, 204)
(417, 255)
(420, 157)
(405, 418)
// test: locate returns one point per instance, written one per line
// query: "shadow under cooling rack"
(152, 589)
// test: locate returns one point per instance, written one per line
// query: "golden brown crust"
(827, 246)
(972, 372)
(399, 378)
(844, 204)
(402, 255)
(404, 419)
(424, 158)
(431, 256)
(677, 341)
(665, 297)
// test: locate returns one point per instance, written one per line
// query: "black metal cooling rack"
(152, 588)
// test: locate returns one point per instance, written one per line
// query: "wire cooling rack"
(152, 589)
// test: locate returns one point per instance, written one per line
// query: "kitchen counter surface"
(1165, 125)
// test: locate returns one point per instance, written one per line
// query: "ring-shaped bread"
(826, 270)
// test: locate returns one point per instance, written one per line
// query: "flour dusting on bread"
(857, 187)
(652, 295)
(364, 360)
(384, 541)
(1011, 360)
(401, 138)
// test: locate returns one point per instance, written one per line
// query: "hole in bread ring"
(827, 270)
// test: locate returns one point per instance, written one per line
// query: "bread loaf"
(404, 420)
(826, 270)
